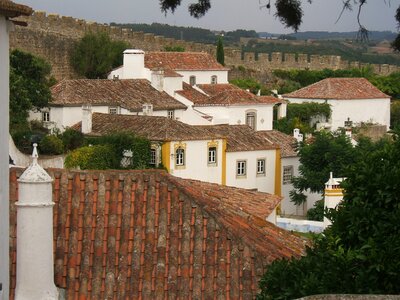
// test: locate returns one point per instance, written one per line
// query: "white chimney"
(86, 119)
(35, 262)
(297, 135)
(157, 80)
(133, 65)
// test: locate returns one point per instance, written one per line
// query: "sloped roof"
(286, 142)
(240, 137)
(182, 61)
(12, 10)
(339, 88)
(192, 94)
(127, 93)
(145, 234)
(229, 94)
(151, 127)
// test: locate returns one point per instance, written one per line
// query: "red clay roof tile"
(12, 10)
(174, 238)
(339, 88)
(182, 61)
(127, 93)
(287, 143)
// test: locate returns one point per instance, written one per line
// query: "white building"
(133, 96)
(354, 99)
(8, 10)
(224, 154)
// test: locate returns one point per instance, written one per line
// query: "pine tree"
(220, 51)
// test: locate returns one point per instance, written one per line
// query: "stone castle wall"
(52, 37)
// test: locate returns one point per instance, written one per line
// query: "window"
(214, 79)
(212, 155)
(153, 156)
(171, 114)
(192, 80)
(261, 166)
(46, 116)
(180, 157)
(287, 174)
(251, 120)
(112, 110)
(241, 168)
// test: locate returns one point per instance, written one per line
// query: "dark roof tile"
(12, 10)
(287, 143)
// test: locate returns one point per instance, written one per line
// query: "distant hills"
(326, 35)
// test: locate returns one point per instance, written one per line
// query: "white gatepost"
(35, 263)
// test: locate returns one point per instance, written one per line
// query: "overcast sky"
(224, 14)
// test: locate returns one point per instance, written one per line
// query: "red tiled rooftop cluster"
(145, 234)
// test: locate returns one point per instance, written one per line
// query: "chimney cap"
(133, 51)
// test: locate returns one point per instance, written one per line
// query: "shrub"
(317, 212)
(98, 157)
(72, 139)
(51, 144)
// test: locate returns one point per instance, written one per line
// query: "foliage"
(96, 54)
(395, 114)
(98, 157)
(29, 87)
(220, 51)
(126, 141)
(316, 213)
(300, 115)
(327, 153)
(51, 144)
(358, 253)
(174, 49)
(388, 84)
(72, 139)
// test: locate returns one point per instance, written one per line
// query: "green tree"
(395, 114)
(327, 153)
(289, 12)
(96, 54)
(29, 86)
(220, 51)
(359, 253)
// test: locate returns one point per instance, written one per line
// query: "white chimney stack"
(133, 65)
(157, 80)
(86, 119)
(35, 263)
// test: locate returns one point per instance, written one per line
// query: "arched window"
(192, 80)
(251, 119)
(214, 79)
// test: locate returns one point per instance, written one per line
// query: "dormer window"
(214, 79)
(192, 80)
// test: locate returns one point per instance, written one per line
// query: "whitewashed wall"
(358, 110)
(252, 180)
(172, 84)
(196, 166)
(204, 77)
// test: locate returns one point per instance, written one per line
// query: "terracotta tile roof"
(228, 94)
(182, 61)
(192, 94)
(127, 93)
(339, 88)
(151, 127)
(147, 235)
(12, 10)
(287, 143)
(240, 138)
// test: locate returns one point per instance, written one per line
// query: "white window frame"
(45, 116)
(180, 156)
(251, 115)
(153, 156)
(212, 155)
(214, 79)
(171, 114)
(113, 110)
(287, 174)
(241, 168)
(261, 163)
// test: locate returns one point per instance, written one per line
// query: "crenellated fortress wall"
(52, 37)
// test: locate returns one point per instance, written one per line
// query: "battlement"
(52, 37)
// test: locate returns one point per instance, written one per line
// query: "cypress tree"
(220, 52)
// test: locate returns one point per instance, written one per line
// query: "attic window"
(192, 80)
(214, 79)
(113, 110)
